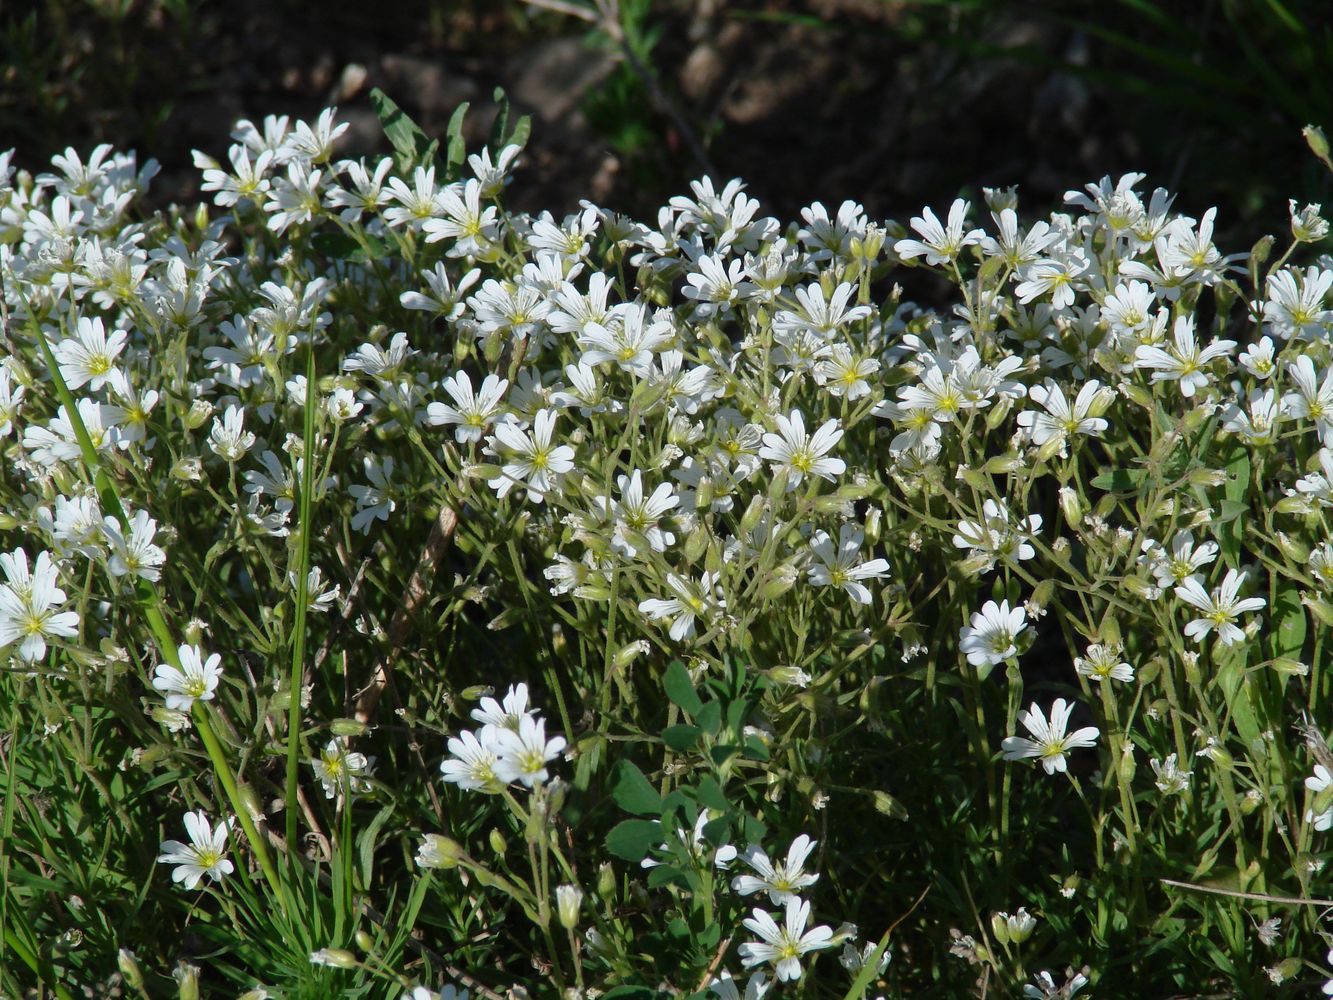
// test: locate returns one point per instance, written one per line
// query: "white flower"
(1050, 744)
(1221, 608)
(939, 244)
(628, 338)
(1295, 304)
(1183, 561)
(28, 607)
(474, 761)
(1257, 359)
(782, 881)
(990, 639)
(203, 855)
(1182, 360)
(523, 755)
(508, 715)
(692, 600)
(792, 451)
(1171, 780)
(90, 356)
(340, 769)
(1320, 784)
(1062, 420)
(1102, 661)
(228, 438)
(784, 946)
(471, 412)
(636, 517)
(726, 989)
(532, 460)
(133, 552)
(195, 680)
(841, 567)
(997, 534)
(698, 846)
(376, 500)
(1311, 401)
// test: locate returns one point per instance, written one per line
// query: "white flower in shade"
(523, 755)
(1102, 661)
(1321, 811)
(792, 451)
(228, 438)
(997, 534)
(194, 680)
(1061, 419)
(842, 566)
(471, 412)
(1182, 359)
(29, 605)
(203, 855)
(474, 761)
(783, 881)
(376, 500)
(990, 638)
(508, 715)
(1171, 780)
(532, 460)
(1183, 561)
(726, 989)
(89, 357)
(939, 244)
(1049, 743)
(1220, 609)
(342, 405)
(132, 552)
(568, 902)
(1257, 359)
(1311, 399)
(340, 769)
(1044, 987)
(690, 601)
(784, 946)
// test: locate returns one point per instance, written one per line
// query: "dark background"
(896, 105)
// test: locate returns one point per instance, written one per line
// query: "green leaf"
(681, 737)
(340, 246)
(630, 993)
(455, 148)
(661, 875)
(711, 795)
(411, 146)
(501, 123)
(1231, 532)
(632, 839)
(1289, 636)
(633, 792)
(709, 718)
(680, 689)
(755, 749)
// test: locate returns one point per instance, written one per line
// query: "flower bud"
(497, 841)
(1318, 143)
(199, 413)
(1293, 548)
(1072, 506)
(335, 958)
(129, 968)
(606, 881)
(1054, 446)
(630, 652)
(874, 524)
(781, 581)
(1319, 608)
(364, 941)
(568, 899)
(754, 513)
(439, 852)
(999, 413)
(187, 980)
(348, 728)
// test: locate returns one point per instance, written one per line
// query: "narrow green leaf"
(410, 144)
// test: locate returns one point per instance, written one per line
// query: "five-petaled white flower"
(1220, 609)
(939, 244)
(990, 638)
(783, 880)
(842, 566)
(524, 754)
(784, 946)
(1049, 743)
(1183, 360)
(194, 680)
(471, 411)
(203, 855)
(690, 601)
(532, 460)
(798, 454)
(28, 606)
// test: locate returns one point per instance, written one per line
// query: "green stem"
(302, 598)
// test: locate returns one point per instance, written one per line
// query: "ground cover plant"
(405, 596)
